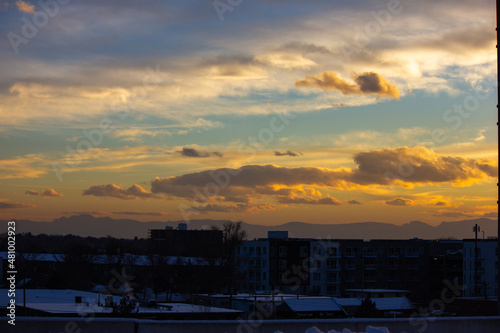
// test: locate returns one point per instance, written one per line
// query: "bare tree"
(234, 235)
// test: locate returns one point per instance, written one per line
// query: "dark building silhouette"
(187, 243)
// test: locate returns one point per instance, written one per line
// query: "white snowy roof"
(53, 296)
(61, 308)
(191, 308)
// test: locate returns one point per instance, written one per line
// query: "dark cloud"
(191, 152)
(238, 208)
(287, 153)
(491, 214)
(399, 202)
(115, 191)
(354, 202)
(305, 48)
(31, 192)
(402, 166)
(85, 213)
(366, 83)
(11, 205)
(140, 213)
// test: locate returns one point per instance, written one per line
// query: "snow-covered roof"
(378, 290)
(191, 308)
(53, 296)
(313, 304)
(69, 308)
(382, 303)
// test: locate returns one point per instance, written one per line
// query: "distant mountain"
(88, 225)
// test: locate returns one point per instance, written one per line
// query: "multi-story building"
(330, 267)
(291, 265)
(487, 267)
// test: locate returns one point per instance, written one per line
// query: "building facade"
(485, 284)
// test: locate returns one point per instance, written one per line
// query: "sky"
(261, 111)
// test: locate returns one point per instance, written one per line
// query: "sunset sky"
(261, 111)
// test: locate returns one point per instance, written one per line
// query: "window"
(282, 264)
(258, 250)
(412, 252)
(316, 276)
(332, 251)
(251, 249)
(369, 252)
(394, 252)
(282, 251)
(331, 264)
(264, 250)
(350, 252)
(317, 250)
(304, 251)
(331, 277)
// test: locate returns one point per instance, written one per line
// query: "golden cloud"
(115, 191)
(369, 83)
(50, 193)
(25, 7)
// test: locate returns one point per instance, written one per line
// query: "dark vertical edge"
(498, 145)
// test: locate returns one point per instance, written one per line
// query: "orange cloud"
(50, 193)
(400, 202)
(243, 186)
(25, 7)
(366, 83)
(311, 201)
(115, 191)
